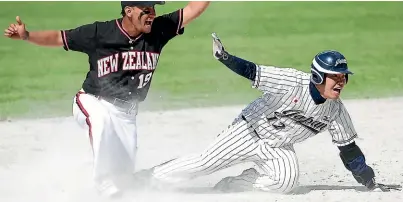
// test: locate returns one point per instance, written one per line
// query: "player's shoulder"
(107, 28)
(338, 101)
(169, 14)
(167, 17)
(112, 23)
(290, 72)
(339, 104)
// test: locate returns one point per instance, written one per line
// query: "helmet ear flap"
(346, 78)
(316, 76)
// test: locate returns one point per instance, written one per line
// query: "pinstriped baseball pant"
(279, 171)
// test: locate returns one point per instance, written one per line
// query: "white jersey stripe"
(291, 179)
(233, 155)
(274, 80)
(344, 119)
(229, 153)
(211, 153)
(243, 155)
(236, 149)
(281, 171)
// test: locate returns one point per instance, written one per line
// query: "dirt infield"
(50, 159)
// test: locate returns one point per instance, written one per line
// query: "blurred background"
(41, 82)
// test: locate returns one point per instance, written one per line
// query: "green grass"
(37, 81)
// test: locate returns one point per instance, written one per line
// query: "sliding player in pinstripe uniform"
(294, 107)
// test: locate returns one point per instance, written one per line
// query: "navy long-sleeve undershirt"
(240, 66)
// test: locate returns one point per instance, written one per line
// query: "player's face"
(144, 17)
(333, 85)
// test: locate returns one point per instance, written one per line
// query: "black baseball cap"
(141, 3)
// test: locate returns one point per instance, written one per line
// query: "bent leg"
(91, 115)
(235, 145)
(280, 173)
(125, 138)
(280, 170)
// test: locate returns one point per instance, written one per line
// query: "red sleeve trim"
(66, 46)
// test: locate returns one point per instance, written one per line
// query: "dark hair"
(123, 13)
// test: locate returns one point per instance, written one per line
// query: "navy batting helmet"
(328, 62)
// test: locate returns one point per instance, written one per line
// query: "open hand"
(16, 31)
(372, 185)
(386, 188)
(218, 48)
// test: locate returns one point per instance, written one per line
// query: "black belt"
(256, 133)
(243, 118)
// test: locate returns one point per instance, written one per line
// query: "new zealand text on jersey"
(131, 60)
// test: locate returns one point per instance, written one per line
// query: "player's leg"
(235, 145)
(279, 173)
(92, 115)
(124, 142)
(281, 170)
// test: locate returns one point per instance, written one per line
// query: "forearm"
(193, 10)
(51, 38)
(198, 7)
(354, 160)
(240, 66)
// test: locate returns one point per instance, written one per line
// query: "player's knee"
(290, 182)
(282, 185)
(275, 189)
(201, 161)
(288, 189)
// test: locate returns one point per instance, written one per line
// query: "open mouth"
(337, 90)
(148, 22)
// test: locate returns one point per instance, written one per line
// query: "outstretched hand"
(16, 31)
(218, 49)
(372, 185)
(386, 188)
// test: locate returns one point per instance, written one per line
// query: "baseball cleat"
(242, 182)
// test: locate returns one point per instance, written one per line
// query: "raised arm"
(193, 10)
(238, 65)
(50, 38)
(269, 79)
(82, 38)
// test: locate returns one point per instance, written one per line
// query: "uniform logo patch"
(298, 117)
(340, 61)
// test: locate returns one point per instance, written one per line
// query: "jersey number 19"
(144, 79)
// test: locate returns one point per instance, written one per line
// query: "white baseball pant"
(112, 134)
(238, 144)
